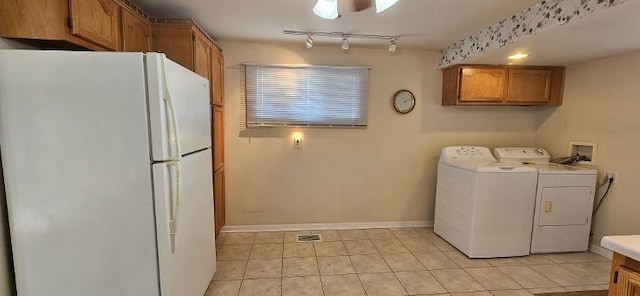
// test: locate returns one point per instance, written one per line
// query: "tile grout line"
(389, 266)
(357, 274)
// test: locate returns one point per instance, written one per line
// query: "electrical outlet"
(613, 175)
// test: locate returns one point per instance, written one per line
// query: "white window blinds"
(306, 96)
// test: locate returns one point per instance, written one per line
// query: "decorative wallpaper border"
(542, 16)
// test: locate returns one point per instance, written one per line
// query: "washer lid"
(521, 154)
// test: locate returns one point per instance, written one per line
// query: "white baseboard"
(601, 251)
(325, 226)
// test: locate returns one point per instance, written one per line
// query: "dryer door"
(565, 206)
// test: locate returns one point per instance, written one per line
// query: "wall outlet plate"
(587, 149)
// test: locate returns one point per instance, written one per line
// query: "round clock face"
(404, 101)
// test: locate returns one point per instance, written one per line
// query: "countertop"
(627, 245)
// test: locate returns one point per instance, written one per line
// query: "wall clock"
(403, 101)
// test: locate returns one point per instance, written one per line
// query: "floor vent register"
(308, 238)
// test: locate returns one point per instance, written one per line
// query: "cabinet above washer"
(478, 85)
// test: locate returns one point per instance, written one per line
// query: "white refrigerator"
(107, 170)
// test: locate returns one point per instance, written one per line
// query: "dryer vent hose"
(571, 159)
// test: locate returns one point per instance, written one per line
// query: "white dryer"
(564, 201)
(483, 207)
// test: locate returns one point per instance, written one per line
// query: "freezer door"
(178, 109)
(184, 197)
(75, 156)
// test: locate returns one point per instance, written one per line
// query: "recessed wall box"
(586, 149)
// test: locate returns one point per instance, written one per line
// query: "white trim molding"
(325, 226)
(601, 251)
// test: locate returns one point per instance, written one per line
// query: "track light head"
(308, 42)
(345, 44)
(393, 45)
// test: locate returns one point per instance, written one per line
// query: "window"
(306, 96)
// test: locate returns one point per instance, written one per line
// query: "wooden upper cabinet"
(47, 23)
(136, 32)
(502, 85)
(532, 86)
(217, 77)
(175, 41)
(201, 55)
(96, 21)
(482, 85)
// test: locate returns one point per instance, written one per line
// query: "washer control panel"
(467, 152)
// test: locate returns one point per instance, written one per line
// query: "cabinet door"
(529, 86)
(217, 77)
(201, 56)
(96, 21)
(218, 137)
(483, 85)
(174, 41)
(218, 198)
(136, 33)
(628, 282)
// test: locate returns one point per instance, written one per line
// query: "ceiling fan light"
(327, 9)
(382, 5)
(345, 44)
(308, 42)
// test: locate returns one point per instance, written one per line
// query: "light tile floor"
(389, 262)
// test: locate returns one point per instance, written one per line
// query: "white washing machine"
(484, 207)
(564, 201)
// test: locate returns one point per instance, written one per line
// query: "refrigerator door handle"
(174, 201)
(174, 117)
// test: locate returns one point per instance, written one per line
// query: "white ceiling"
(610, 32)
(422, 24)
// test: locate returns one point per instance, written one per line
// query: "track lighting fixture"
(393, 45)
(345, 44)
(308, 42)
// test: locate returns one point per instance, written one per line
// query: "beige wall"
(383, 173)
(6, 280)
(602, 105)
